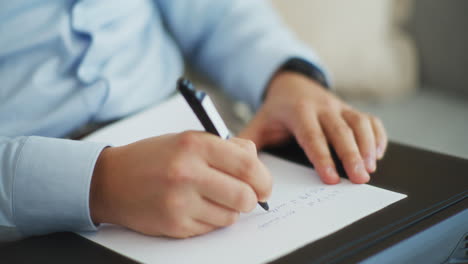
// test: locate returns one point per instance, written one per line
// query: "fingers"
(190, 228)
(247, 145)
(214, 214)
(240, 160)
(381, 139)
(264, 133)
(343, 140)
(312, 140)
(260, 172)
(225, 190)
(364, 136)
(200, 227)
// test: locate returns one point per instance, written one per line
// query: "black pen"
(205, 111)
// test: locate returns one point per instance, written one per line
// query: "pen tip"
(264, 205)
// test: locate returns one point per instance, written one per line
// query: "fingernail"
(359, 169)
(331, 173)
(380, 151)
(370, 163)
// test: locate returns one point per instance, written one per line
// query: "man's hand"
(295, 105)
(178, 185)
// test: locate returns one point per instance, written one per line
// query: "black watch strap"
(307, 69)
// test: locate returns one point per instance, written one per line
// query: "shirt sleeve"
(240, 44)
(45, 184)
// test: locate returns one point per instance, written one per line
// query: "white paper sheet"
(303, 209)
(171, 116)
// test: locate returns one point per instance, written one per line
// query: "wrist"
(299, 69)
(97, 197)
(289, 80)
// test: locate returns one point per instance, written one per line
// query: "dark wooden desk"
(436, 184)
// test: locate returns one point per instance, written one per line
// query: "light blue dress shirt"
(65, 63)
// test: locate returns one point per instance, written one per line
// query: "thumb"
(254, 130)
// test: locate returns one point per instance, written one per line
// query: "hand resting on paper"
(187, 184)
(178, 185)
(296, 105)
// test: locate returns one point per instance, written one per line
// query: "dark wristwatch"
(307, 69)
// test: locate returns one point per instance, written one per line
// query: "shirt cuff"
(307, 69)
(52, 184)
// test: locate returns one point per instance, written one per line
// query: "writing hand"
(296, 105)
(178, 185)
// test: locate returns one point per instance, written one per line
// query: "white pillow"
(360, 41)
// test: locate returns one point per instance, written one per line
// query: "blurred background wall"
(440, 31)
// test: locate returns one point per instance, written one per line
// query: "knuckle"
(248, 169)
(189, 140)
(179, 174)
(362, 120)
(302, 106)
(329, 102)
(303, 110)
(342, 130)
(246, 144)
(325, 116)
(251, 146)
(311, 136)
(355, 118)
